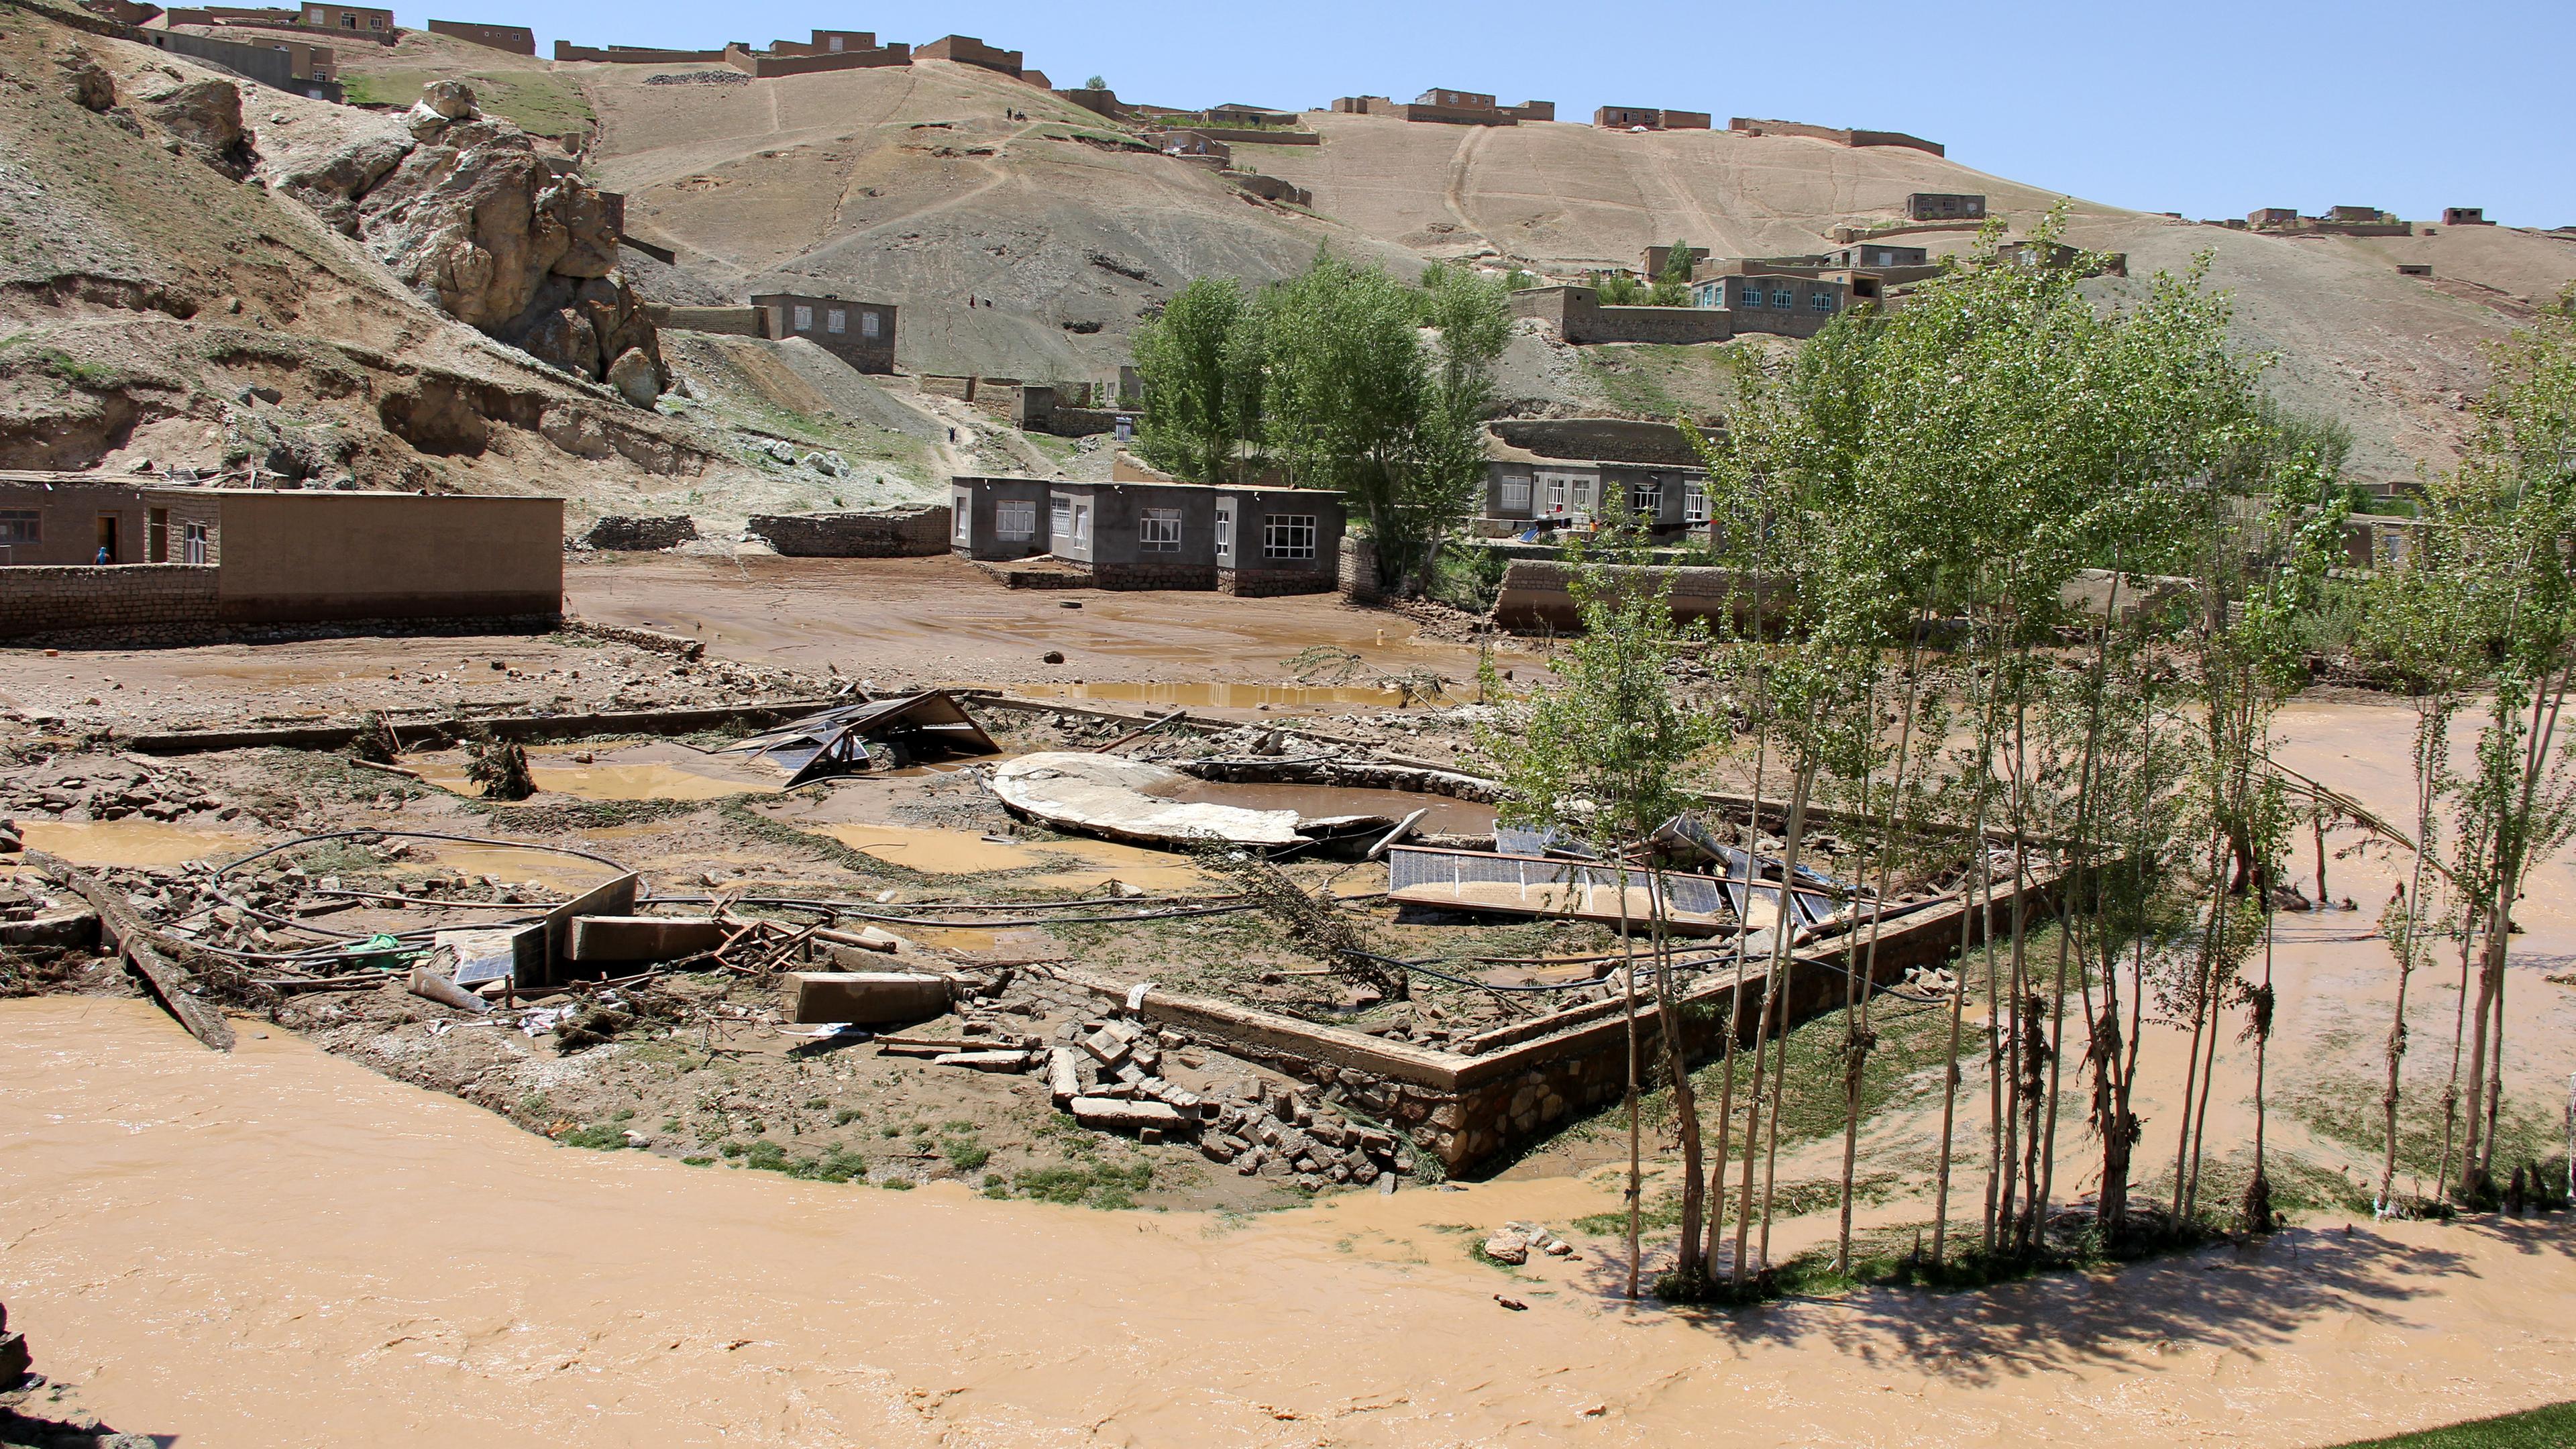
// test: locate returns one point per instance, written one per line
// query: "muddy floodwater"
(278, 1247)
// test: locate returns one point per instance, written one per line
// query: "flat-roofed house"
(859, 333)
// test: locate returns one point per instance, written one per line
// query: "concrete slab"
(865, 997)
(642, 938)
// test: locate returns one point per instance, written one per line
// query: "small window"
(1694, 501)
(375, 22)
(1288, 535)
(1062, 519)
(1556, 495)
(1015, 520)
(804, 319)
(1081, 521)
(1516, 493)
(1224, 532)
(1823, 301)
(963, 507)
(1752, 295)
(1783, 298)
(1646, 498)
(196, 543)
(21, 525)
(1159, 531)
(1583, 495)
(836, 45)
(348, 22)
(868, 324)
(836, 320)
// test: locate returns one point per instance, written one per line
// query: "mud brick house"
(359, 20)
(2465, 216)
(1655, 259)
(828, 50)
(1578, 316)
(1788, 303)
(1629, 118)
(1448, 107)
(970, 51)
(1945, 206)
(859, 333)
(1244, 540)
(184, 557)
(1837, 135)
(1566, 471)
(516, 39)
(1876, 256)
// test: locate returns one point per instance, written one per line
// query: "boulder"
(634, 376)
(203, 116)
(451, 99)
(87, 82)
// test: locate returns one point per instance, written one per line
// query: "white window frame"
(1582, 494)
(1515, 493)
(1289, 536)
(836, 319)
(196, 543)
(1224, 532)
(1555, 496)
(1061, 519)
(962, 510)
(1646, 497)
(868, 326)
(1081, 521)
(804, 318)
(1158, 530)
(1694, 500)
(1015, 520)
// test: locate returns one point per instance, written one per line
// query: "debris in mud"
(500, 767)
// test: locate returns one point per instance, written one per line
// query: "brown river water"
(278, 1247)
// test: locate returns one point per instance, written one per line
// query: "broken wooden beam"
(122, 929)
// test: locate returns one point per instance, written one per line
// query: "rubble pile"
(112, 787)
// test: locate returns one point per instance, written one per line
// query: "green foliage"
(1468, 578)
(2553, 1427)
(597, 1136)
(1095, 84)
(1519, 280)
(1200, 363)
(1099, 1184)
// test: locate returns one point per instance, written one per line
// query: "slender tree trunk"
(1772, 992)
(2459, 1041)
(1862, 982)
(1689, 1267)
(2408, 941)
(1976, 919)
(1735, 1014)
(1628, 1011)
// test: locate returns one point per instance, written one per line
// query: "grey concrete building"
(1239, 540)
(1566, 472)
(1945, 206)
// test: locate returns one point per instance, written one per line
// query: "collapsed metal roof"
(931, 725)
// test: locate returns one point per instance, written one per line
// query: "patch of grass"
(538, 101)
(899, 1184)
(2553, 1427)
(699, 1161)
(846, 1115)
(597, 1136)
(1661, 379)
(965, 1153)
(1100, 1185)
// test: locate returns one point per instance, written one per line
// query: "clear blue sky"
(2206, 108)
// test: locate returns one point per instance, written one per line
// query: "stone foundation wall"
(140, 598)
(1270, 583)
(917, 533)
(1153, 576)
(1505, 1090)
(1356, 571)
(641, 534)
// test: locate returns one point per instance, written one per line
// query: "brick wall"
(726, 321)
(1357, 571)
(753, 63)
(44, 599)
(1270, 583)
(916, 533)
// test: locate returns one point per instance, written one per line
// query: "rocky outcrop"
(619, 532)
(201, 116)
(463, 208)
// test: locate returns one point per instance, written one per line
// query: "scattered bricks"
(1110, 1114)
(1149, 1135)
(1338, 1173)
(1249, 1163)
(1366, 1176)
(1148, 1056)
(1131, 1074)
(865, 997)
(1171, 1041)
(1107, 1048)
(1329, 1132)
(1064, 1075)
(1268, 1132)
(1275, 1166)
(1214, 1149)
(1303, 1110)
(984, 1061)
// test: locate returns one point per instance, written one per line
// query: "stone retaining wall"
(41, 599)
(641, 535)
(914, 533)
(1271, 583)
